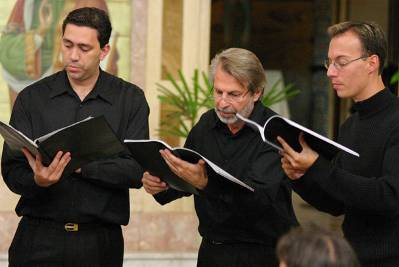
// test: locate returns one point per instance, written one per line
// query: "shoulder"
(41, 88)
(121, 85)
(122, 92)
(261, 113)
(206, 122)
(208, 119)
(41, 84)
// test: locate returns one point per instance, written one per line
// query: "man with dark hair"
(238, 227)
(29, 42)
(365, 189)
(75, 220)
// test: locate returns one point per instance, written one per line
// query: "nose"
(74, 54)
(222, 103)
(331, 71)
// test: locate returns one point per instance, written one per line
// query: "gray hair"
(243, 65)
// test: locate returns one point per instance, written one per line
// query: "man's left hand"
(194, 174)
(295, 164)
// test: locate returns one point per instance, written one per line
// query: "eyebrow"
(81, 45)
(340, 57)
(233, 90)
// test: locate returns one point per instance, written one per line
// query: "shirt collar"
(102, 88)
(374, 104)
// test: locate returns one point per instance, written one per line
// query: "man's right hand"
(152, 184)
(295, 164)
(46, 176)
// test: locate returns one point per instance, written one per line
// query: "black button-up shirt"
(229, 212)
(100, 193)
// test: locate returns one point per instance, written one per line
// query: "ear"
(373, 63)
(257, 94)
(104, 51)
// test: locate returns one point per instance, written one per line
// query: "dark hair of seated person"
(315, 247)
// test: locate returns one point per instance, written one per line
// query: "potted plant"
(186, 102)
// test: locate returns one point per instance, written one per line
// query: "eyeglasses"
(340, 63)
(231, 97)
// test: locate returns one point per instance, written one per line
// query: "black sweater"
(365, 189)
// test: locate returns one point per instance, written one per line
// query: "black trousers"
(46, 243)
(216, 254)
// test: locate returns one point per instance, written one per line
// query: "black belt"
(215, 242)
(232, 242)
(65, 226)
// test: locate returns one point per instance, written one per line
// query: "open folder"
(146, 153)
(289, 130)
(87, 140)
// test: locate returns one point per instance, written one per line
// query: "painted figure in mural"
(30, 46)
(315, 247)
(75, 220)
(238, 227)
(365, 189)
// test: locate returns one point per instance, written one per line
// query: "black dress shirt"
(100, 193)
(228, 212)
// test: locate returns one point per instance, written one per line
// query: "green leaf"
(395, 78)
(275, 95)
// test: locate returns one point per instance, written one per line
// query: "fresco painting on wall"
(30, 35)
(30, 43)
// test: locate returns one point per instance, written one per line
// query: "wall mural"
(30, 42)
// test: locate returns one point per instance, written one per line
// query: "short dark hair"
(92, 17)
(315, 247)
(371, 37)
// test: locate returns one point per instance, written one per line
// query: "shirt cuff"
(90, 170)
(314, 173)
(211, 188)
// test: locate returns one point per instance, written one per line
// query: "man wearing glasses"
(365, 189)
(238, 227)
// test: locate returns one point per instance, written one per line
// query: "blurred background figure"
(314, 247)
(30, 46)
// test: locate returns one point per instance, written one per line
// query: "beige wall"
(7, 199)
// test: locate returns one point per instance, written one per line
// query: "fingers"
(58, 169)
(58, 160)
(175, 164)
(302, 141)
(153, 184)
(286, 147)
(193, 173)
(292, 172)
(291, 160)
(29, 157)
(202, 163)
(46, 176)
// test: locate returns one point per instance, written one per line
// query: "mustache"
(226, 110)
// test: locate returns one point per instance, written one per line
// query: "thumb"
(302, 141)
(38, 161)
(31, 159)
(202, 163)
